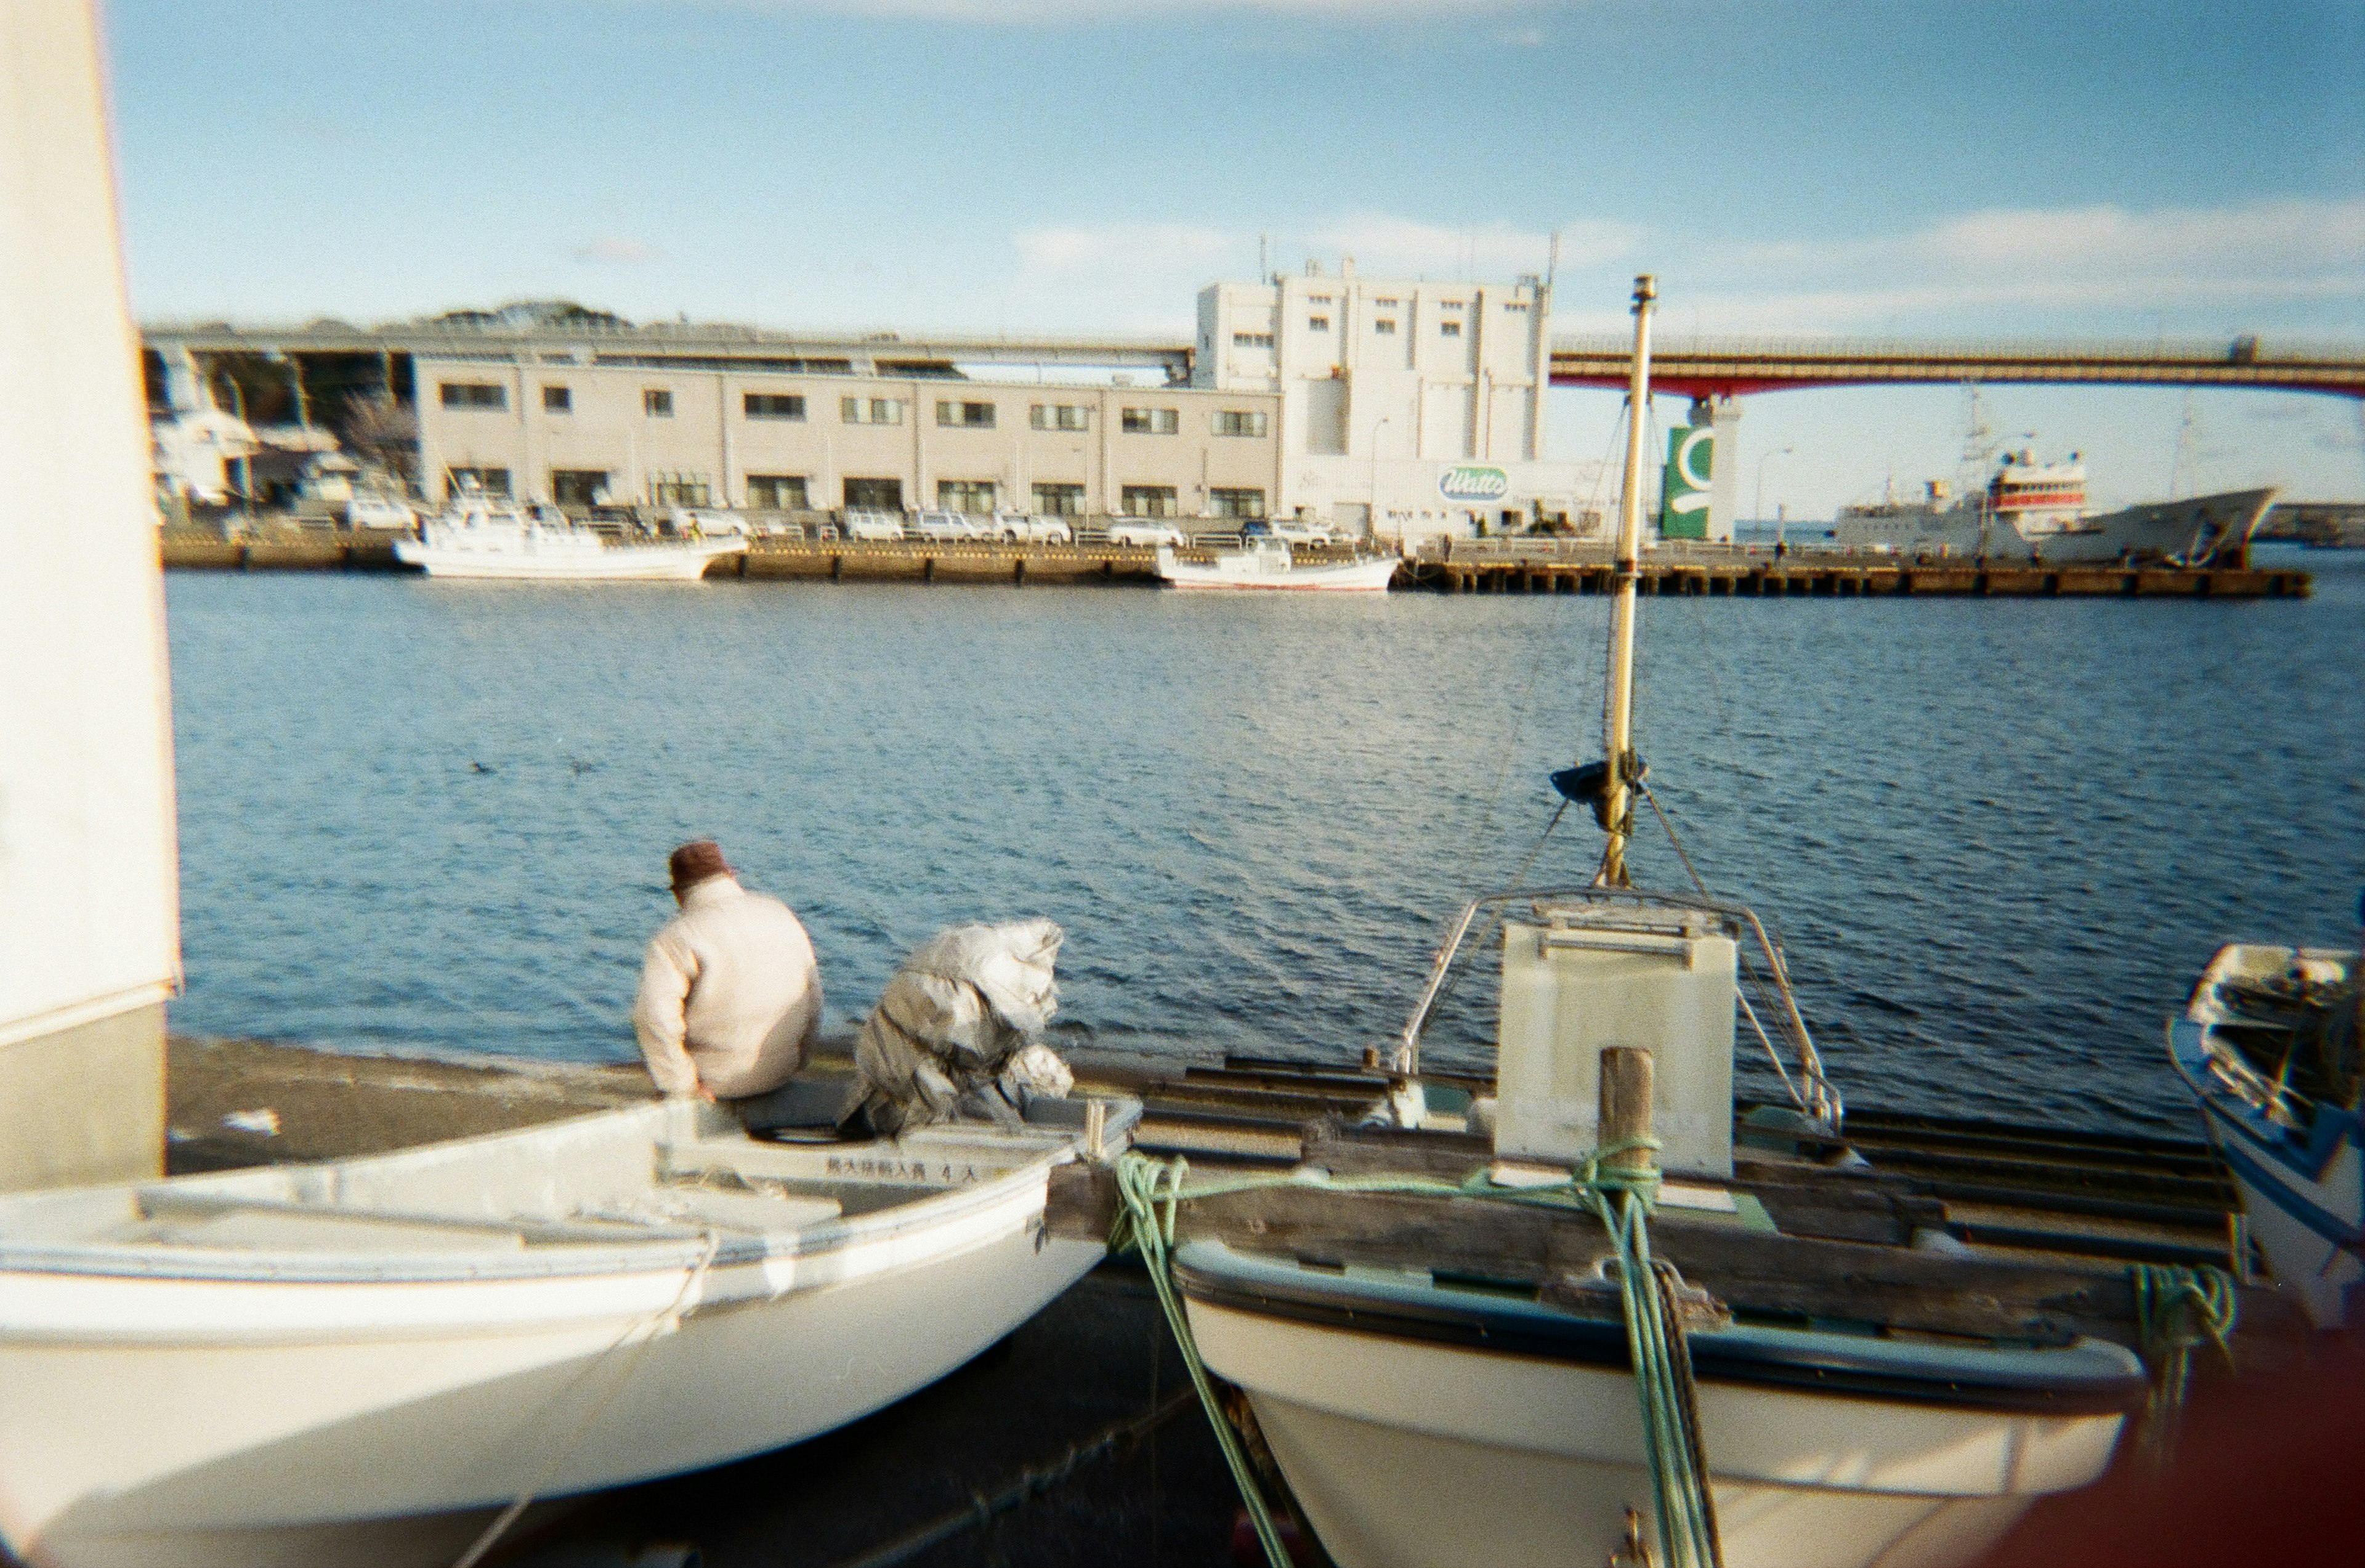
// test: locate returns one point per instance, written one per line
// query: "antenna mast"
(1624, 768)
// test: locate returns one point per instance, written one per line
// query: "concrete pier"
(1856, 576)
(1728, 574)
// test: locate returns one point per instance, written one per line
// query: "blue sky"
(1964, 169)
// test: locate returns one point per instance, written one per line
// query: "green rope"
(1149, 1191)
(2177, 1311)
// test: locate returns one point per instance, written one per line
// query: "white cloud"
(1073, 249)
(1488, 251)
(617, 250)
(2293, 256)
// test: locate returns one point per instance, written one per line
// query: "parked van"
(948, 525)
(1143, 531)
(1024, 528)
(874, 524)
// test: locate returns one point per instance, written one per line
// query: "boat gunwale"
(671, 1246)
(1743, 1355)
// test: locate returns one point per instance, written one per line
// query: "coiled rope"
(1150, 1191)
(2177, 1310)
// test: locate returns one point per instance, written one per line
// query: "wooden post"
(1626, 1105)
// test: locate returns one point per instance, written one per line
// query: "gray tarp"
(955, 1032)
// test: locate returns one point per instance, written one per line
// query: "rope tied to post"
(2177, 1310)
(1150, 1192)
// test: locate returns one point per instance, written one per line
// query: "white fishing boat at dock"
(481, 536)
(2032, 510)
(1580, 1317)
(1269, 564)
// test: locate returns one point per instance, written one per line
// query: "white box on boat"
(1570, 990)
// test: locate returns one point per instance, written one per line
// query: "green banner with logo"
(1684, 486)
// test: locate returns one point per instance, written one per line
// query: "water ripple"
(1998, 838)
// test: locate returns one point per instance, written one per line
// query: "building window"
(579, 487)
(1318, 323)
(1241, 504)
(1239, 422)
(474, 395)
(964, 416)
(1448, 329)
(776, 492)
(1516, 307)
(772, 406)
(1149, 500)
(966, 494)
(680, 491)
(874, 495)
(1384, 327)
(488, 481)
(1319, 300)
(1060, 417)
(1060, 500)
(1150, 421)
(1251, 339)
(558, 400)
(1384, 304)
(658, 403)
(872, 412)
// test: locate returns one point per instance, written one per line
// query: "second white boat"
(481, 537)
(1268, 564)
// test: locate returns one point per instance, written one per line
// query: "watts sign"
(1469, 483)
(1684, 487)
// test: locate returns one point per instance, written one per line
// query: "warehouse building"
(549, 428)
(1415, 408)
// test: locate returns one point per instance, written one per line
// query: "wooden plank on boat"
(1751, 1271)
(1804, 1199)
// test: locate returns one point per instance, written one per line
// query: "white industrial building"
(1415, 408)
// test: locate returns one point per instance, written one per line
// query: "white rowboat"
(190, 1366)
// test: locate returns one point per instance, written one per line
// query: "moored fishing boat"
(2038, 511)
(1268, 564)
(1463, 1340)
(203, 1369)
(2272, 1045)
(479, 536)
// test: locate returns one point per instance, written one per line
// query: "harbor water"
(1997, 838)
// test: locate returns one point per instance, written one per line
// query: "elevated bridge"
(1709, 369)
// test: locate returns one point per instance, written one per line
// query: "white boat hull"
(195, 1421)
(685, 562)
(2194, 532)
(1273, 570)
(1407, 1454)
(2303, 1189)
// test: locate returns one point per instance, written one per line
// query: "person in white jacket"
(730, 994)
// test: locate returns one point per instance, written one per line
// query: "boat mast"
(1619, 725)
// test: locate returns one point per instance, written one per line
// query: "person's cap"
(696, 861)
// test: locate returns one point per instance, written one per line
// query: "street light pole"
(1760, 507)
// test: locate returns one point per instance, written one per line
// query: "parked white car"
(378, 511)
(874, 524)
(1298, 532)
(949, 525)
(1023, 528)
(1134, 531)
